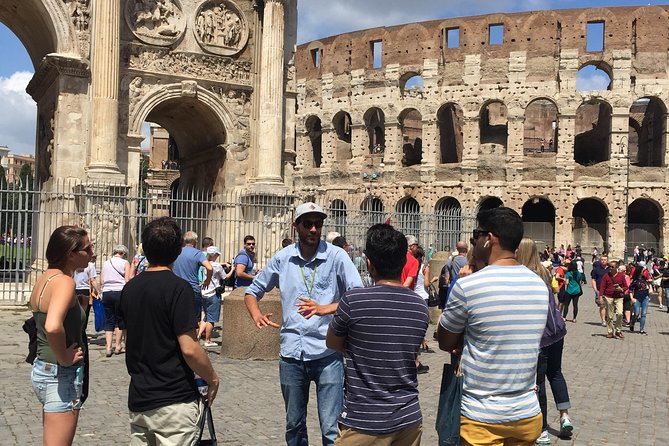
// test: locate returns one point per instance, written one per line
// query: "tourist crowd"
(505, 305)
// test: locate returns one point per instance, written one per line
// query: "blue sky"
(317, 19)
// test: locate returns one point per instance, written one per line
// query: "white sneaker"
(543, 438)
(566, 428)
(210, 344)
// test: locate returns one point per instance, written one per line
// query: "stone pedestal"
(240, 338)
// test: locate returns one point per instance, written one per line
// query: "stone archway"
(539, 221)
(644, 225)
(203, 128)
(589, 228)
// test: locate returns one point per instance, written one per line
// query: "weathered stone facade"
(502, 122)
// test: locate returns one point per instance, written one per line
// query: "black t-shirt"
(157, 307)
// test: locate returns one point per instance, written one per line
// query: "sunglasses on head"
(308, 224)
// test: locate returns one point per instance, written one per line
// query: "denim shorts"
(57, 388)
(212, 308)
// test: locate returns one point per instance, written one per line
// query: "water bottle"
(202, 386)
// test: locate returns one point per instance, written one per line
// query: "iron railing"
(116, 214)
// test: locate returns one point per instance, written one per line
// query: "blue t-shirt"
(187, 266)
(243, 258)
(384, 327)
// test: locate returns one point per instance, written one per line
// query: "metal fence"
(116, 214)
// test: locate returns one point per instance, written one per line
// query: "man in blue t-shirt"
(187, 266)
(244, 263)
(380, 330)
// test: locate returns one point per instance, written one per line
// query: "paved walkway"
(618, 390)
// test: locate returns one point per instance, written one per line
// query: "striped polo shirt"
(502, 311)
(384, 326)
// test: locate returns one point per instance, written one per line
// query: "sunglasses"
(476, 233)
(250, 244)
(308, 224)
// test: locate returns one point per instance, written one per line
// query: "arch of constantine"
(481, 111)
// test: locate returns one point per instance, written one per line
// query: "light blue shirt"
(328, 275)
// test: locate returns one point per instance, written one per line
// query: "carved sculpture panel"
(220, 27)
(156, 22)
(187, 64)
(45, 143)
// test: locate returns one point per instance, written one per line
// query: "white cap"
(309, 208)
(213, 250)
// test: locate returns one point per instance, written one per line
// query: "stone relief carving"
(80, 13)
(136, 90)
(238, 102)
(220, 27)
(46, 144)
(156, 22)
(187, 64)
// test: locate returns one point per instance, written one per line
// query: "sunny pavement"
(618, 390)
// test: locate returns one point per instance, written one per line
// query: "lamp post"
(623, 146)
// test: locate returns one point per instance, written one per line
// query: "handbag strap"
(206, 415)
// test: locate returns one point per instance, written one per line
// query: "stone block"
(240, 338)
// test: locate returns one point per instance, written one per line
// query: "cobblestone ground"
(618, 390)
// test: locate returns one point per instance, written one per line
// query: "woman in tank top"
(115, 273)
(57, 373)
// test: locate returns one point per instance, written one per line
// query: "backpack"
(640, 288)
(555, 327)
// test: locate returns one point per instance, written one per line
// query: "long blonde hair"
(528, 255)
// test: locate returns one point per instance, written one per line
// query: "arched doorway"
(541, 127)
(342, 126)
(646, 135)
(407, 215)
(375, 122)
(590, 225)
(493, 124)
(644, 225)
(490, 203)
(315, 134)
(539, 221)
(449, 223)
(411, 123)
(450, 120)
(593, 132)
(338, 216)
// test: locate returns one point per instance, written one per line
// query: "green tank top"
(74, 321)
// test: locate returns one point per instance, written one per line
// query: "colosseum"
(467, 113)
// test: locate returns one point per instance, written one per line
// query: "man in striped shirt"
(497, 317)
(380, 330)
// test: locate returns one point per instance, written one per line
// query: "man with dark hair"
(206, 243)
(380, 330)
(244, 263)
(340, 242)
(312, 275)
(162, 349)
(492, 315)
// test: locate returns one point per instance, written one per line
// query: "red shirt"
(410, 269)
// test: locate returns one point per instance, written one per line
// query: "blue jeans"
(640, 310)
(666, 297)
(549, 366)
(296, 376)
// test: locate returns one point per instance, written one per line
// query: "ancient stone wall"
(494, 120)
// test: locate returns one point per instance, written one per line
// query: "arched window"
(375, 122)
(644, 225)
(490, 203)
(646, 132)
(373, 210)
(408, 216)
(593, 77)
(590, 225)
(315, 133)
(541, 127)
(539, 221)
(411, 123)
(338, 216)
(412, 85)
(342, 125)
(449, 223)
(593, 131)
(493, 124)
(450, 120)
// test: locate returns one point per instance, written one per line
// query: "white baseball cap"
(309, 208)
(213, 250)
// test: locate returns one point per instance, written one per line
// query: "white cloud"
(18, 113)
(591, 79)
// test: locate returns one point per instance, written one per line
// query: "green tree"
(3, 178)
(26, 176)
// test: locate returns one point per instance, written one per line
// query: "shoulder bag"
(450, 400)
(207, 417)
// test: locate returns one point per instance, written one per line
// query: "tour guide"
(312, 276)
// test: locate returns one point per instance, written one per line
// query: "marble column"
(102, 163)
(270, 140)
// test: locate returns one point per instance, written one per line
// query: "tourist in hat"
(312, 276)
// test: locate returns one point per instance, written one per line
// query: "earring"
(486, 244)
